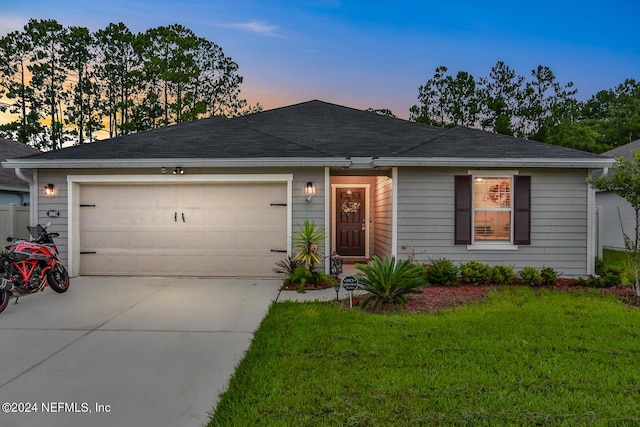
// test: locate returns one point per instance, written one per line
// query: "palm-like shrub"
(286, 266)
(389, 281)
(307, 243)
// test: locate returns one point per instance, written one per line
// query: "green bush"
(324, 280)
(502, 274)
(441, 272)
(389, 281)
(530, 276)
(609, 275)
(549, 276)
(475, 272)
(300, 277)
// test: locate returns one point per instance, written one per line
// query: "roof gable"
(625, 151)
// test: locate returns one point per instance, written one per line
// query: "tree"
(448, 101)
(250, 109)
(15, 49)
(216, 88)
(169, 66)
(82, 108)
(48, 74)
(615, 113)
(60, 82)
(624, 180)
(501, 95)
(433, 101)
(119, 74)
(545, 103)
(382, 112)
(462, 99)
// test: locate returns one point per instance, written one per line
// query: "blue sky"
(376, 54)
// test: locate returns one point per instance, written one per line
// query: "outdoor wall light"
(178, 171)
(309, 191)
(49, 190)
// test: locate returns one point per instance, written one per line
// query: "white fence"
(13, 222)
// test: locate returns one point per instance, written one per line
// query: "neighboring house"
(616, 214)
(223, 197)
(14, 193)
(13, 190)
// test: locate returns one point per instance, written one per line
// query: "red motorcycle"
(30, 266)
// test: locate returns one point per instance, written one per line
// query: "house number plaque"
(53, 213)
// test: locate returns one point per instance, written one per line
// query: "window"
(492, 211)
(492, 208)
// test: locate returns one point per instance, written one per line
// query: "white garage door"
(212, 229)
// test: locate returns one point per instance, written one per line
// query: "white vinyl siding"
(382, 212)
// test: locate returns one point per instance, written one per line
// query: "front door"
(350, 221)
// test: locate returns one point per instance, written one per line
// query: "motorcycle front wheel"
(58, 279)
(4, 300)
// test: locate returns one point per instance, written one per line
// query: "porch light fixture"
(178, 170)
(49, 190)
(309, 191)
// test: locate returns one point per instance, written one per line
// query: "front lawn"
(522, 357)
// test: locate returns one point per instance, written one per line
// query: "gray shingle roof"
(312, 129)
(11, 150)
(625, 151)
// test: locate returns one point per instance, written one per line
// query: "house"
(222, 197)
(13, 190)
(616, 216)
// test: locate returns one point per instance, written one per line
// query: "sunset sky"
(373, 53)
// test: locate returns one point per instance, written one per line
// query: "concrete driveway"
(126, 351)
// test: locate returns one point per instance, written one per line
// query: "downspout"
(23, 177)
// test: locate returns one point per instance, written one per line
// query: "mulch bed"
(434, 298)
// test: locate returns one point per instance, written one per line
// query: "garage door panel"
(208, 229)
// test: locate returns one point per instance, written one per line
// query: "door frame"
(75, 181)
(367, 222)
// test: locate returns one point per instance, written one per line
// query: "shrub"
(287, 265)
(324, 280)
(581, 281)
(502, 274)
(609, 275)
(530, 276)
(475, 272)
(300, 277)
(548, 276)
(389, 281)
(442, 272)
(606, 276)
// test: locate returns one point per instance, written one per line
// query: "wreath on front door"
(349, 205)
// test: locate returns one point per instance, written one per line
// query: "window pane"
(492, 208)
(492, 192)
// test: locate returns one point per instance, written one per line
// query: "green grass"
(620, 259)
(523, 357)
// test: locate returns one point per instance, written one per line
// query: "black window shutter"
(463, 210)
(522, 211)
